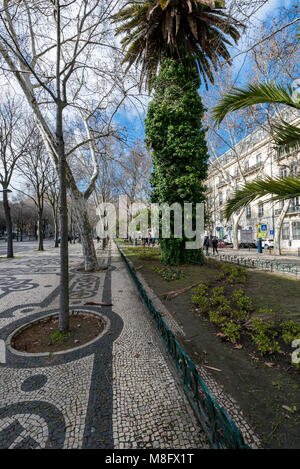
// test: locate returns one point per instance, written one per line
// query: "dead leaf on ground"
(269, 364)
(238, 346)
(220, 334)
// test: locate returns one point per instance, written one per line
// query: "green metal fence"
(220, 429)
(262, 264)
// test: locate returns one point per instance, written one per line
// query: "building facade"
(253, 157)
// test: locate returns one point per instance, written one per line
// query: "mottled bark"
(278, 225)
(85, 230)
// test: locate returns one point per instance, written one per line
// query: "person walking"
(206, 244)
(215, 245)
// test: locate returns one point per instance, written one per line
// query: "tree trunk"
(235, 226)
(56, 231)
(278, 225)
(10, 252)
(63, 211)
(85, 230)
(40, 230)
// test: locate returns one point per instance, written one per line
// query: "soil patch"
(267, 388)
(43, 336)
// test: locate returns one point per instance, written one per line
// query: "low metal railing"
(219, 428)
(261, 264)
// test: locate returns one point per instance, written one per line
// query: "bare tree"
(34, 167)
(13, 144)
(55, 52)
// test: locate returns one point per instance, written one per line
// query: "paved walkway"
(117, 392)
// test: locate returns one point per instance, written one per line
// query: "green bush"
(231, 330)
(233, 273)
(263, 336)
(239, 316)
(290, 331)
(244, 302)
(199, 299)
(217, 318)
(219, 300)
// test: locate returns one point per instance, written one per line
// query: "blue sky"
(134, 123)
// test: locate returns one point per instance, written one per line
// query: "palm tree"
(285, 136)
(159, 29)
(276, 188)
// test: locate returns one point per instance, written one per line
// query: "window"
(260, 210)
(236, 171)
(282, 171)
(285, 231)
(220, 198)
(258, 158)
(294, 169)
(296, 229)
(248, 211)
(247, 165)
(294, 204)
(221, 215)
(227, 194)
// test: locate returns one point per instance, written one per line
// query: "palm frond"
(165, 28)
(265, 93)
(277, 188)
(286, 137)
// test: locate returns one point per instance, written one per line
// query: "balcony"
(221, 184)
(253, 168)
(294, 209)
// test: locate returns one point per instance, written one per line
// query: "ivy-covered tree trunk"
(175, 134)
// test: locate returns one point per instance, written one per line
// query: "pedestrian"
(215, 245)
(98, 239)
(206, 244)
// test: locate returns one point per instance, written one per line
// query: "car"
(221, 244)
(247, 245)
(268, 243)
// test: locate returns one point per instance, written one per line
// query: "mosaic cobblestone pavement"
(117, 392)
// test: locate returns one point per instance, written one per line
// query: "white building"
(254, 156)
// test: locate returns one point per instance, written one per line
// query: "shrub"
(199, 299)
(168, 273)
(263, 336)
(219, 300)
(217, 318)
(290, 331)
(231, 330)
(244, 302)
(233, 273)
